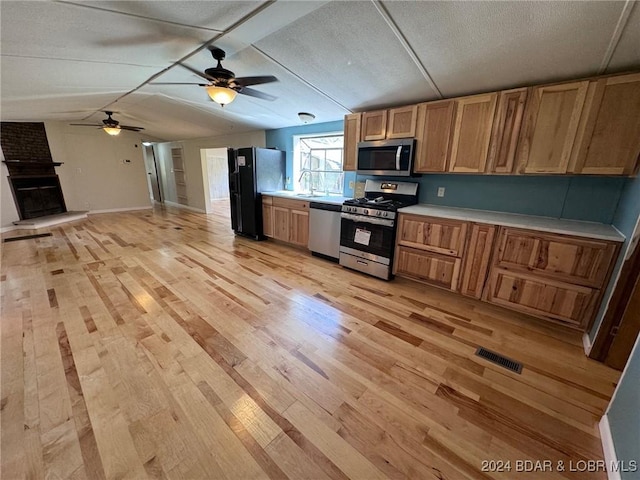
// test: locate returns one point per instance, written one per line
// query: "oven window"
(367, 237)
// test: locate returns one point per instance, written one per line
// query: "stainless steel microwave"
(386, 157)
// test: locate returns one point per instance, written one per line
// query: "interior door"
(620, 350)
(152, 173)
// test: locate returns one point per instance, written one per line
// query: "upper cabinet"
(374, 125)
(352, 127)
(471, 133)
(433, 129)
(608, 140)
(550, 128)
(589, 127)
(506, 129)
(402, 122)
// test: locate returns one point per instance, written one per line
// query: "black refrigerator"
(252, 170)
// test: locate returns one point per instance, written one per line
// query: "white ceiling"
(67, 60)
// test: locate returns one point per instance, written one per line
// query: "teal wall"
(624, 416)
(580, 198)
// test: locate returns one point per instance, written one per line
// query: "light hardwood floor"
(155, 343)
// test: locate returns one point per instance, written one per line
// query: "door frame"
(623, 290)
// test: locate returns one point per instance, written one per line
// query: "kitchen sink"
(310, 195)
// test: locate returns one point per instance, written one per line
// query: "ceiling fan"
(109, 125)
(223, 85)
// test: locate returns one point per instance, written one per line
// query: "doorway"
(215, 176)
(151, 165)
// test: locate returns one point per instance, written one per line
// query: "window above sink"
(317, 164)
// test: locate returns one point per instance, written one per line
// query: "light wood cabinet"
(571, 304)
(433, 129)
(267, 216)
(374, 125)
(290, 220)
(471, 134)
(352, 127)
(437, 235)
(402, 122)
(440, 270)
(430, 249)
(506, 130)
(608, 139)
(476, 259)
(550, 128)
(561, 257)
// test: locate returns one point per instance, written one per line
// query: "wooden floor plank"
(157, 344)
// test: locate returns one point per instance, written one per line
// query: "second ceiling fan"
(223, 85)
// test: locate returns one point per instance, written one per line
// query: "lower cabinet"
(572, 304)
(286, 219)
(555, 277)
(433, 268)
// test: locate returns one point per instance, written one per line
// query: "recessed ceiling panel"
(62, 31)
(347, 50)
(470, 47)
(217, 15)
(626, 56)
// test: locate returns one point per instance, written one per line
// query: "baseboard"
(185, 207)
(8, 229)
(116, 210)
(610, 456)
(586, 343)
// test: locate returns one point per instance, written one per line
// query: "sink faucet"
(306, 170)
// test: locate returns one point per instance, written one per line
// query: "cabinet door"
(561, 257)
(476, 263)
(402, 122)
(506, 129)
(299, 222)
(571, 304)
(281, 223)
(552, 118)
(374, 125)
(609, 137)
(351, 139)
(433, 234)
(267, 220)
(472, 133)
(433, 128)
(432, 268)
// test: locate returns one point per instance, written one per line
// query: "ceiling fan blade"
(255, 93)
(179, 83)
(199, 73)
(129, 127)
(86, 125)
(246, 81)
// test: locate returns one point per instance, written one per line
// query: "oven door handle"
(398, 152)
(366, 219)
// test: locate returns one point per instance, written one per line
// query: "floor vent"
(27, 237)
(499, 359)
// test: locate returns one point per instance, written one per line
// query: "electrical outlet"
(441, 191)
(351, 184)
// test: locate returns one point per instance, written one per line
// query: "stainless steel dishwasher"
(324, 230)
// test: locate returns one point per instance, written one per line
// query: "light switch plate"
(441, 191)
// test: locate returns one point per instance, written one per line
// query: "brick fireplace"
(32, 176)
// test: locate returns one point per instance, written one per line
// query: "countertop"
(333, 199)
(577, 228)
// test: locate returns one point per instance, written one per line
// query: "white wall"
(195, 180)
(93, 176)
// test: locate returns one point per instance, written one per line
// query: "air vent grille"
(499, 359)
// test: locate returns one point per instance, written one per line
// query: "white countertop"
(577, 228)
(334, 199)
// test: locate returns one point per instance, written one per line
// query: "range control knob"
(378, 213)
(366, 212)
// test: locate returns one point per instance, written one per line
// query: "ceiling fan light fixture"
(306, 117)
(221, 95)
(112, 130)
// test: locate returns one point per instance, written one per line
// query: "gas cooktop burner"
(383, 204)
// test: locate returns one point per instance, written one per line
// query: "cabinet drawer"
(571, 304)
(571, 259)
(290, 203)
(433, 234)
(267, 200)
(432, 268)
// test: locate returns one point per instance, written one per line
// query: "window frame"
(297, 160)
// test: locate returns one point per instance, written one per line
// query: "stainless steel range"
(368, 226)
